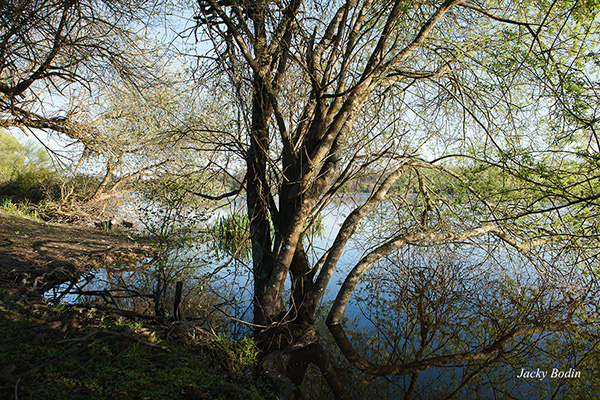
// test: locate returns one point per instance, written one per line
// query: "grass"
(79, 352)
(20, 209)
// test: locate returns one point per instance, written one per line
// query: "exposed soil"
(40, 255)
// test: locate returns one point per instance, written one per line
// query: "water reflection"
(415, 304)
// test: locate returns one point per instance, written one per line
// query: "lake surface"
(449, 287)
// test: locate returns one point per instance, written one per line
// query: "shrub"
(33, 186)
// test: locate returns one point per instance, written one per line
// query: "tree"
(452, 98)
(49, 48)
(16, 156)
(62, 65)
(134, 136)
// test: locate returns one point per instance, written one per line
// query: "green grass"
(20, 209)
(76, 352)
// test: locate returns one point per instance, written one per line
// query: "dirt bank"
(39, 255)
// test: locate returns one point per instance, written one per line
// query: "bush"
(32, 186)
(26, 173)
(79, 188)
(12, 155)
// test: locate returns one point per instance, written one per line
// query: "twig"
(244, 322)
(17, 389)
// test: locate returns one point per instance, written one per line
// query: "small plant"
(231, 234)
(246, 353)
(242, 353)
(105, 226)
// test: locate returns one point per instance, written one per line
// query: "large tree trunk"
(265, 311)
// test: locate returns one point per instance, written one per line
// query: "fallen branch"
(127, 313)
(113, 334)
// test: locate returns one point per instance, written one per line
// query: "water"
(418, 302)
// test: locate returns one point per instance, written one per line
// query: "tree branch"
(452, 359)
